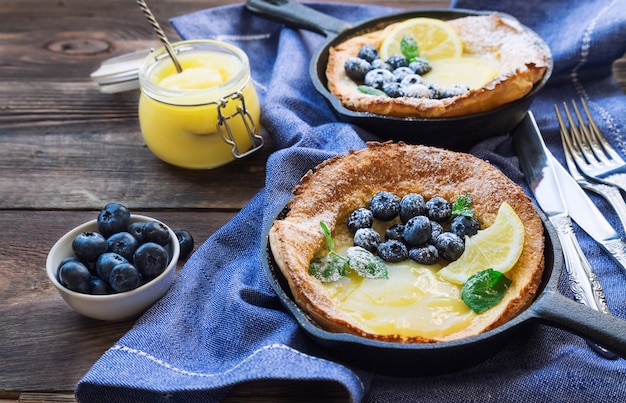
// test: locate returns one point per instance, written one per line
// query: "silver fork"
(593, 155)
(610, 193)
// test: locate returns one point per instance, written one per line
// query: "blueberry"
(417, 230)
(455, 91)
(424, 254)
(75, 276)
(411, 79)
(368, 52)
(377, 77)
(122, 243)
(87, 246)
(439, 209)
(367, 238)
(402, 72)
(464, 226)
(436, 230)
(385, 206)
(151, 259)
(113, 218)
(124, 277)
(436, 92)
(397, 60)
(449, 246)
(136, 230)
(356, 68)
(392, 251)
(68, 259)
(154, 231)
(420, 66)
(394, 89)
(99, 286)
(360, 218)
(412, 205)
(381, 64)
(416, 91)
(185, 241)
(106, 262)
(395, 232)
(75, 259)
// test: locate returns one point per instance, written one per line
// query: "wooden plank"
(44, 336)
(45, 397)
(60, 129)
(76, 35)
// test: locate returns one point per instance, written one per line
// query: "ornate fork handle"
(618, 180)
(583, 281)
(611, 194)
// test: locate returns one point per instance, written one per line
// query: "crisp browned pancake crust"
(339, 185)
(518, 56)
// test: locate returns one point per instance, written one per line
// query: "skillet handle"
(298, 15)
(605, 329)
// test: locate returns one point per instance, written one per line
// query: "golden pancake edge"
(343, 183)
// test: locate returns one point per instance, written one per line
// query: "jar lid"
(120, 73)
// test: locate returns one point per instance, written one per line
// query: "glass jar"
(205, 116)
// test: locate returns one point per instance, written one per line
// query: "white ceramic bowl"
(112, 307)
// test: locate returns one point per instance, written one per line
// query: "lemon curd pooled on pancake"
(339, 249)
(426, 67)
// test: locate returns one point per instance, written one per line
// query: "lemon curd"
(206, 115)
(413, 301)
(472, 72)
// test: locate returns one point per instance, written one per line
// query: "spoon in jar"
(157, 28)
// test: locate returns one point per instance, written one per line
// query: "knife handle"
(583, 281)
(617, 249)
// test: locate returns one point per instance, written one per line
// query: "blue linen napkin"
(221, 324)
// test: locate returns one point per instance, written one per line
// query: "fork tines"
(584, 135)
(591, 133)
(593, 155)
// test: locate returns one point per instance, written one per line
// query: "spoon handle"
(157, 28)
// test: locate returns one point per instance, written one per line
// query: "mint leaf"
(328, 268)
(462, 206)
(408, 47)
(332, 266)
(365, 263)
(328, 236)
(484, 290)
(366, 89)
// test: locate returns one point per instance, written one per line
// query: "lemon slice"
(497, 247)
(469, 71)
(436, 39)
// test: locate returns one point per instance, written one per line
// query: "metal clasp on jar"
(225, 131)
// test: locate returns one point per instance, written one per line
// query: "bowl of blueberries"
(116, 266)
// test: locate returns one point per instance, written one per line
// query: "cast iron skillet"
(549, 307)
(456, 133)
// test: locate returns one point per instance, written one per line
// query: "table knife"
(540, 175)
(585, 213)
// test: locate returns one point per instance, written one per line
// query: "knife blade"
(540, 174)
(585, 213)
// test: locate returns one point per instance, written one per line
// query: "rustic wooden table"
(65, 151)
